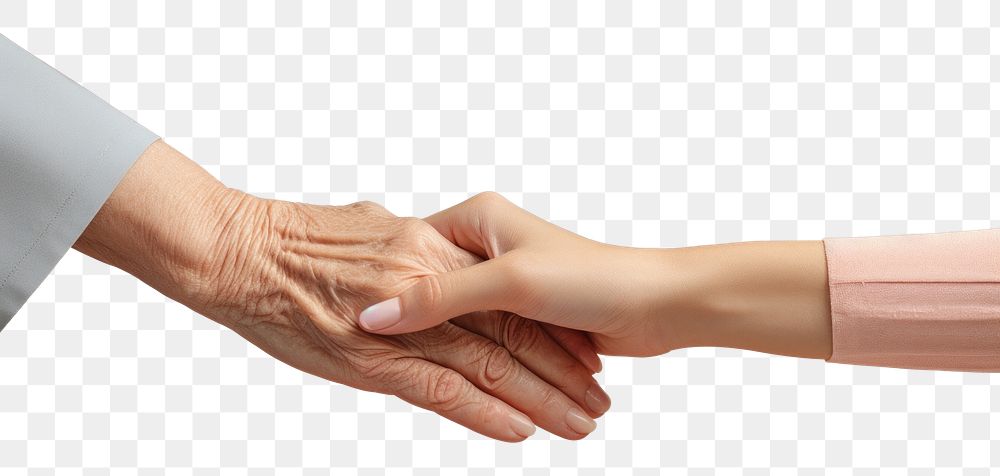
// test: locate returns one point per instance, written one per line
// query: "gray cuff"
(62, 152)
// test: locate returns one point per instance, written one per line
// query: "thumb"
(437, 298)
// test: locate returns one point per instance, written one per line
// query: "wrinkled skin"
(311, 283)
(291, 277)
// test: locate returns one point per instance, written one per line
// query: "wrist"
(766, 296)
(679, 294)
(162, 223)
(661, 301)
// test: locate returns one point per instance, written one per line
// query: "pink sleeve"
(928, 301)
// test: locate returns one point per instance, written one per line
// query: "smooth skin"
(767, 296)
(292, 277)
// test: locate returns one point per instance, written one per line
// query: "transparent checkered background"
(651, 123)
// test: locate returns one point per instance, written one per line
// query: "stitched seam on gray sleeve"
(62, 207)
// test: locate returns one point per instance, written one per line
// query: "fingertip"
(521, 425)
(593, 362)
(578, 344)
(579, 422)
(586, 353)
(598, 401)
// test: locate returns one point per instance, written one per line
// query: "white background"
(650, 123)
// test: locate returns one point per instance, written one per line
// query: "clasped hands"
(444, 297)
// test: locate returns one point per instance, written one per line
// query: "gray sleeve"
(62, 152)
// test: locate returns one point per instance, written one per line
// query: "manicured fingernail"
(579, 422)
(521, 425)
(381, 315)
(597, 399)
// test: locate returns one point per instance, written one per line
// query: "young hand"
(768, 296)
(540, 271)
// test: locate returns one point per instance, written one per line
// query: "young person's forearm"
(766, 296)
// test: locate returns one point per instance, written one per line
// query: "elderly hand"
(290, 278)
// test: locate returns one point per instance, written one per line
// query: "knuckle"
(499, 367)
(488, 197)
(551, 401)
(430, 295)
(519, 335)
(369, 207)
(416, 235)
(415, 227)
(492, 411)
(445, 389)
(488, 201)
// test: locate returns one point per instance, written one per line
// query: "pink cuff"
(928, 301)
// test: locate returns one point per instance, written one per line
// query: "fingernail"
(521, 425)
(597, 399)
(381, 315)
(579, 422)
